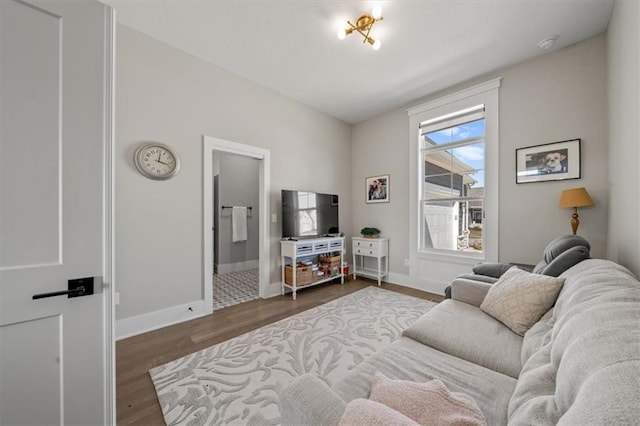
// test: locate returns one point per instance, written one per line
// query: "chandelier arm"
(362, 34)
(353, 27)
(369, 30)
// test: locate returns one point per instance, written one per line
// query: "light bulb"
(377, 11)
(376, 44)
(342, 33)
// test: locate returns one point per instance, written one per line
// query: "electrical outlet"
(407, 262)
(274, 217)
(116, 299)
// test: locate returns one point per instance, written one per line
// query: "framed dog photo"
(551, 161)
(377, 189)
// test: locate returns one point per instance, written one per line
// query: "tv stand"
(292, 251)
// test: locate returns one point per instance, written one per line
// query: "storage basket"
(331, 261)
(304, 275)
(330, 264)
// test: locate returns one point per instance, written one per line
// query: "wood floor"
(136, 401)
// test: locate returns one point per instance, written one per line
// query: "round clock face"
(157, 161)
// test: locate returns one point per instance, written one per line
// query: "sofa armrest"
(307, 400)
(469, 291)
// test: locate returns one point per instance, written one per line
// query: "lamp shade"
(575, 197)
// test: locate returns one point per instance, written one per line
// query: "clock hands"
(158, 160)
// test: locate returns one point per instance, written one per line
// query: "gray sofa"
(578, 365)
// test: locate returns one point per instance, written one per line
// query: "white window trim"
(488, 94)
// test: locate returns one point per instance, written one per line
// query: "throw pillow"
(364, 412)
(426, 403)
(519, 298)
(491, 269)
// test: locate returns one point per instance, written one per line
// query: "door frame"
(210, 145)
(109, 275)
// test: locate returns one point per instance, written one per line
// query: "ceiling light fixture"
(363, 25)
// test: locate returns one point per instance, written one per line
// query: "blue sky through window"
(472, 155)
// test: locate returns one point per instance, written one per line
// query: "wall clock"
(157, 161)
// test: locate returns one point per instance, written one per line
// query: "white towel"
(239, 224)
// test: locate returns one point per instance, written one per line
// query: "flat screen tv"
(309, 214)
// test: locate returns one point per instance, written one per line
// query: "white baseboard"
(273, 290)
(400, 279)
(139, 324)
(226, 268)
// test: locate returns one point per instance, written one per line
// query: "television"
(308, 214)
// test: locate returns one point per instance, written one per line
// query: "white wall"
(169, 96)
(623, 58)
(558, 96)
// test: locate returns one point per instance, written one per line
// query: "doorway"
(234, 257)
(235, 229)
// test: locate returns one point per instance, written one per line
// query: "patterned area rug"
(235, 287)
(238, 381)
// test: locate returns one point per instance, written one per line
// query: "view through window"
(453, 187)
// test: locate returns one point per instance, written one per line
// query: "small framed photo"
(551, 161)
(377, 189)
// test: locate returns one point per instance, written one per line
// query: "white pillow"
(519, 298)
(365, 412)
(429, 403)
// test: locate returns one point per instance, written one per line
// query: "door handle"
(76, 288)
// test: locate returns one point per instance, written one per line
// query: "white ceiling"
(290, 46)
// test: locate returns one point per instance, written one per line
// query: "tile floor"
(234, 287)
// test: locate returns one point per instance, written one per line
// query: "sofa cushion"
(537, 336)
(426, 403)
(365, 412)
(464, 331)
(407, 359)
(589, 362)
(519, 298)
(308, 400)
(561, 254)
(564, 261)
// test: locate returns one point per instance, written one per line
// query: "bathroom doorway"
(235, 229)
(236, 238)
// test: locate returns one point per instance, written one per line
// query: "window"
(454, 164)
(452, 178)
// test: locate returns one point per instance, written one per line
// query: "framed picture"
(377, 189)
(551, 161)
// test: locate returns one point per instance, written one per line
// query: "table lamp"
(574, 198)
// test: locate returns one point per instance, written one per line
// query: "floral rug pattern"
(238, 381)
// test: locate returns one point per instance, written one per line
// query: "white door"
(55, 83)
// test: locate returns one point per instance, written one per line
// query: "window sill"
(461, 258)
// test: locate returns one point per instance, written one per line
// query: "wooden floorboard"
(136, 400)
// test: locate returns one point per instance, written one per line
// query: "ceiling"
(291, 47)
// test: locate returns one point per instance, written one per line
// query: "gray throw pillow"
(490, 269)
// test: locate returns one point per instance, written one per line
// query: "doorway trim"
(210, 145)
(109, 250)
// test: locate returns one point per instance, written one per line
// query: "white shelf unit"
(377, 248)
(306, 249)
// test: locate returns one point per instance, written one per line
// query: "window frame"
(487, 94)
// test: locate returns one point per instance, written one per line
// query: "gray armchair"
(559, 255)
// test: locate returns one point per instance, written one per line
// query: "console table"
(377, 248)
(295, 250)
